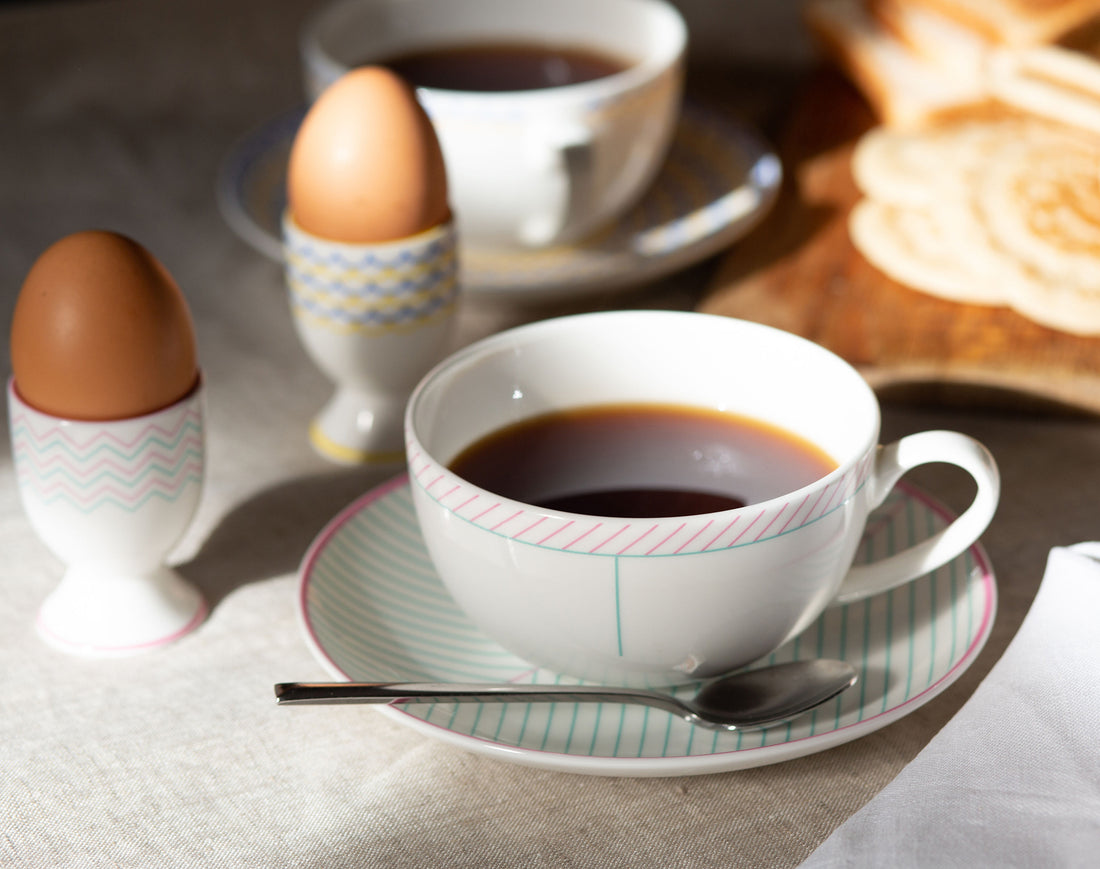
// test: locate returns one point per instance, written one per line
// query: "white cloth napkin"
(1014, 778)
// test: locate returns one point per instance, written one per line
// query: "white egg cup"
(374, 318)
(111, 499)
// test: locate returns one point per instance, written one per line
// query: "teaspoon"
(740, 701)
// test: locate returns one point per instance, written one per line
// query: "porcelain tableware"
(111, 499)
(531, 168)
(666, 600)
(373, 608)
(373, 318)
(718, 182)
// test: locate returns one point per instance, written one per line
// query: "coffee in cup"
(641, 460)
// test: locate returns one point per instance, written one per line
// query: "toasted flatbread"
(913, 247)
(1009, 214)
(1041, 200)
(914, 168)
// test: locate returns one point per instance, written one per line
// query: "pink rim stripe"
(772, 518)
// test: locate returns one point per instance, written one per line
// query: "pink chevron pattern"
(633, 538)
(91, 465)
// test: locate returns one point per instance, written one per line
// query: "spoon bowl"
(744, 700)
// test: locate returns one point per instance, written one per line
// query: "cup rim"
(636, 75)
(851, 472)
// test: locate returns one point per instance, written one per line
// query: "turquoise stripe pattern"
(375, 610)
(622, 538)
(114, 464)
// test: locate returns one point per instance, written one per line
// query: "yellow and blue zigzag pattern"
(373, 288)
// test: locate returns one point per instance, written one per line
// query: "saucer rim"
(764, 177)
(714, 762)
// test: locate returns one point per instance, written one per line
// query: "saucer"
(374, 610)
(718, 182)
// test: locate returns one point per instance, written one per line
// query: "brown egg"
(366, 166)
(101, 331)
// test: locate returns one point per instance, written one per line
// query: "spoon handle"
(409, 692)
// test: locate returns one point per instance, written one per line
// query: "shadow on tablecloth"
(268, 534)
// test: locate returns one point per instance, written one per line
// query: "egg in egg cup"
(370, 255)
(106, 419)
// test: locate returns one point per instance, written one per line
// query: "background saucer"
(718, 182)
(374, 609)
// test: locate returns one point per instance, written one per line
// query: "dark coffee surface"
(503, 66)
(639, 503)
(640, 460)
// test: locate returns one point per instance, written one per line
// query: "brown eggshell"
(366, 165)
(101, 331)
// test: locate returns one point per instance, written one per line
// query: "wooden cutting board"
(799, 271)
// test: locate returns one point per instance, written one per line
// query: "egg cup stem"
(355, 427)
(100, 613)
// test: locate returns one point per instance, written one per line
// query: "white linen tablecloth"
(117, 114)
(1014, 777)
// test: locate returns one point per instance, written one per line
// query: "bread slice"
(1017, 23)
(939, 41)
(903, 87)
(1050, 82)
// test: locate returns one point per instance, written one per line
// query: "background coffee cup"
(661, 601)
(528, 168)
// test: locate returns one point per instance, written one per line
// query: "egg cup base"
(98, 614)
(359, 429)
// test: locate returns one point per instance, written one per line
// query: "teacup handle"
(891, 463)
(551, 151)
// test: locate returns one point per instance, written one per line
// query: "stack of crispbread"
(923, 61)
(982, 184)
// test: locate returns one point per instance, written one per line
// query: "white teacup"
(528, 168)
(666, 600)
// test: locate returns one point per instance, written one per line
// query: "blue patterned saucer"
(718, 182)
